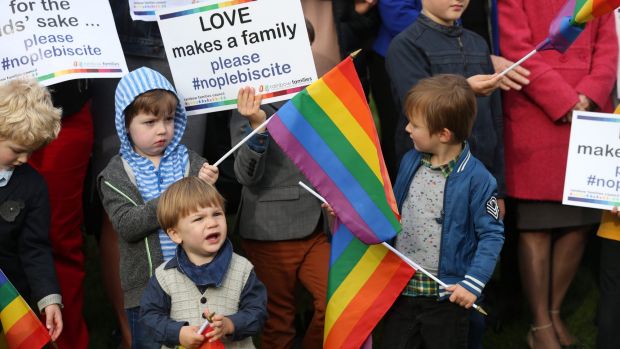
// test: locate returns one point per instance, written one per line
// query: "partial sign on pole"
(593, 166)
(216, 47)
(146, 10)
(59, 40)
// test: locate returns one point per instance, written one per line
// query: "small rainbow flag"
(364, 281)
(328, 131)
(20, 326)
(586, 10)
(562, 31)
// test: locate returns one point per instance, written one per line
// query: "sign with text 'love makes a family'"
(214, 48)
(59, 40)
(593, 167)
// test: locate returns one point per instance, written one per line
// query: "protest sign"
(145, 10)
(59, 40)
(214, 48)
(593, 166)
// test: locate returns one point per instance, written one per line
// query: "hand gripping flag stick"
(403, 257)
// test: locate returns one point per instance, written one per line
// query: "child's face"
(201, 233)
(422, 139)
(444, 11)
(12, 154)
(151, 133)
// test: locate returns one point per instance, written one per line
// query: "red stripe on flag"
(27, 333)
(370, 303)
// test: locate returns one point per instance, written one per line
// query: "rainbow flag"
(586, 10)
(364, 281)
(562, 31)
(20, 326)
(328, 131)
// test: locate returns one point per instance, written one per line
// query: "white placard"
(59, 40)
(214, 48)
(593, 166)
(145, 10)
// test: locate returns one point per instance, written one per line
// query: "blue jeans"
(140, 336)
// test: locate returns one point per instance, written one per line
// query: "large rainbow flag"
(328, 131)
(21, 329)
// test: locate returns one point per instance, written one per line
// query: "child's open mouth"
(213, 237)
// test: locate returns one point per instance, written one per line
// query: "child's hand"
(221, 326)
(484, 85)
(189, 338)
(208, 173)
(53, 320)
(248, 105)
(615, 211)
(461, 296)
(331, 215)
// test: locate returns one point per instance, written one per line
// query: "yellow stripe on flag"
(12, 313)
(353, 283)
(346, 123)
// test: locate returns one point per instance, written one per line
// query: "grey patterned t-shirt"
(420, 238)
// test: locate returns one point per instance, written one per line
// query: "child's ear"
(174, 235)
(446, 136)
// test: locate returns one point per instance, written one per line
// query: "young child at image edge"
(150, 121)
(28, 121)
(205, 275)
(450, 218)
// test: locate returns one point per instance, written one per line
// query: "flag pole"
(411, 263)
(518, 63)
(232, 150)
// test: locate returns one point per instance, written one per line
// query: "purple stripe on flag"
(292, 146)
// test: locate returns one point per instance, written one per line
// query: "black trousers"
(425, 323)
(609, 304)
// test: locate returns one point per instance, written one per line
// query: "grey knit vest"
(185, 298)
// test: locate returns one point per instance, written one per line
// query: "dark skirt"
(543, 215)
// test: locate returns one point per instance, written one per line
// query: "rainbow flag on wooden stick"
(328, 131)
(20, 326)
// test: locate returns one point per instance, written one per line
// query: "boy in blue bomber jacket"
(450, 218)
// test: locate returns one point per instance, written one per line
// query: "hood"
(131, 86)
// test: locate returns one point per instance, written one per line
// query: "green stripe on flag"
(7, 295)
(349, 258)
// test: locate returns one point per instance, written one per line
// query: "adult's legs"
(609, 305)
(535, 266)
(313, 276)
(567, 251)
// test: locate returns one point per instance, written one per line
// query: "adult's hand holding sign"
(214, 48)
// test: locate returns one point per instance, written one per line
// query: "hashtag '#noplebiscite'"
(591, 179)
(6, 63)
(196, 83)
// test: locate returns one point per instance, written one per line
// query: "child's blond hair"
(27, 115)
(184, 197)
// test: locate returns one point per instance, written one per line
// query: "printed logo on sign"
(493, 207)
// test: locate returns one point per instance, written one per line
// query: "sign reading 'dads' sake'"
(593, 167)
(215, 48)
(59, 40)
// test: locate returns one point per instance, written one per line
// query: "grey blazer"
(273, 206)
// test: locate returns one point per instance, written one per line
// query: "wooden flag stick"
(411, 263)
(518, 63)
(241, 142)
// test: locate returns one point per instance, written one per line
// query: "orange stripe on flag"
(27, 333)
(359, 307)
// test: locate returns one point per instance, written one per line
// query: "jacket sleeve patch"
(493, 207)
